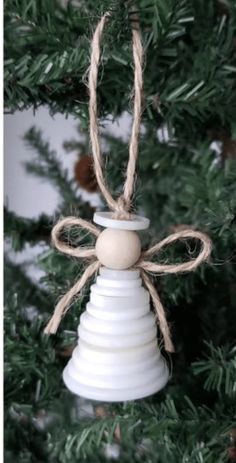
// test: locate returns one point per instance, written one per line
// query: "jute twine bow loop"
(147, 266)
(121, 206)
(70, 222)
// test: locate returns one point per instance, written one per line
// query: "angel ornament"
(117, 357)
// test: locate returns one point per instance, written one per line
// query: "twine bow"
(121, 206)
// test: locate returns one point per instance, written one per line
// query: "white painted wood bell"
(117, 357)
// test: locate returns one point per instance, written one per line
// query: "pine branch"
(22, 230)
(28, 293)
(219, 370)
(199, 53)
(147, 434)
(28, 369)
(46, 165)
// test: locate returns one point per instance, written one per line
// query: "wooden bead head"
(118, 249)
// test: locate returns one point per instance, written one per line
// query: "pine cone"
(84, 173)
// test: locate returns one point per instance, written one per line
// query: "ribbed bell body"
(117, 357)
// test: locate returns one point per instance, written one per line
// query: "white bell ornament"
(117, 357)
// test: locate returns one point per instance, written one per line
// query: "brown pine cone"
(84, 173)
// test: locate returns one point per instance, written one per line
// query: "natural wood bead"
(118, 249)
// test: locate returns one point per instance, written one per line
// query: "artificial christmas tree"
(189, 86)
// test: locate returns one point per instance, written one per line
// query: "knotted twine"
(121, 206)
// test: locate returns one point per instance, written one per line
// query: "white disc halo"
(134, 223)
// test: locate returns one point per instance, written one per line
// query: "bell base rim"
(115, 395)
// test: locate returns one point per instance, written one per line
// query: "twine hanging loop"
(122, 205)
